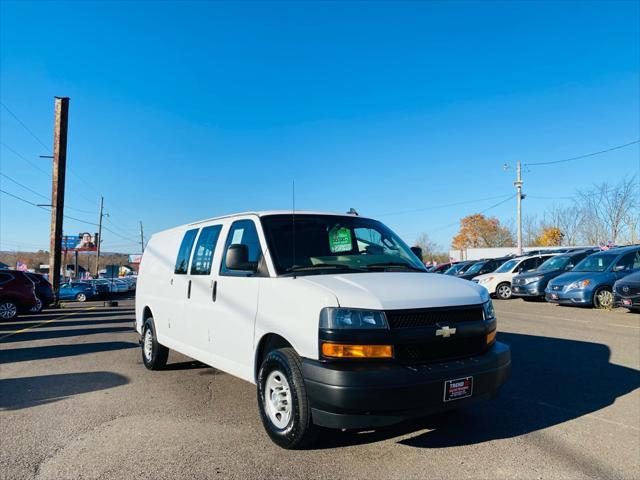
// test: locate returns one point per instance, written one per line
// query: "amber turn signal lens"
(339, 350)
(491, 336)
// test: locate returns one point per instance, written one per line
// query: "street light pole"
(518, 185)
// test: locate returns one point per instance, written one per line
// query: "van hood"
(399, 290)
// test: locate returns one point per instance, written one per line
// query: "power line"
(19, 155)
(583, 156)
(25, 187)
(440, 206)
(511, 197)
(48, 148)
(45, 208)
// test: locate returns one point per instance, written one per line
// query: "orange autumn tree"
(478, 231)
(550, 237)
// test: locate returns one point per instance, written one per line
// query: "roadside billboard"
(83, 242)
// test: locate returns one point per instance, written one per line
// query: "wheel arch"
(268, 343)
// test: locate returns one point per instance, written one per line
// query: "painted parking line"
(45, 322)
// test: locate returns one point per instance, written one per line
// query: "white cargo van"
(332, 316)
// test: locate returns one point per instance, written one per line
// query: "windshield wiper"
(321, 266)
(395, 264)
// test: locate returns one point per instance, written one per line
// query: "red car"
(17, 294)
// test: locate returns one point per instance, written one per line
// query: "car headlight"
(579, 285)
(489, 312)
(351, 318)
(532, 279)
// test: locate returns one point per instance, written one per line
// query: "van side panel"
(291, 308)
(154, 280)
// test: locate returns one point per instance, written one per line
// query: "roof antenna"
(293, 224)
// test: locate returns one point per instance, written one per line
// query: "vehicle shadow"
(40, 334)
(553, 381)
(190, 365)
(25, 392)
(14, 355)
(12, 327)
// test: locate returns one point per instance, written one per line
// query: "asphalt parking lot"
(76, 402)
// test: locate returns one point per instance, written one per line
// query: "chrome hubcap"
(81, 297)
(8, 310)
(605, 298)
(277, 399)
(148, 344)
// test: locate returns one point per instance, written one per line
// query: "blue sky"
(182, 111)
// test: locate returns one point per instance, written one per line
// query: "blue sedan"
(78, 291)
(590, 283)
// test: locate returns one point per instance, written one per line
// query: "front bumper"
(570, 297)
(631, 302)
(530, 290)
(356, 396)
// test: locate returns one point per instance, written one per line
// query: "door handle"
(189, 290)
(214, 291)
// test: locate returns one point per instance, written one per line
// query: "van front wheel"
(282, 399)
(154, 355)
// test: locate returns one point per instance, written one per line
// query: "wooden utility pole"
(99, 239)
(61, 118)
(141, 239)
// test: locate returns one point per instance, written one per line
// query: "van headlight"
(351, 318)
(489, 312)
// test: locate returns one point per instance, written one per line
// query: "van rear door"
(178, 322)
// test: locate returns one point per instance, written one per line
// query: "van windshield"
(335, 244)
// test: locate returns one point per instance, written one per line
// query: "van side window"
(5, 278)
(182, 262)
(630, 261)
(203, 254)
(242, 232)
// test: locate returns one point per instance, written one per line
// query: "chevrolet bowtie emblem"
(445, 332)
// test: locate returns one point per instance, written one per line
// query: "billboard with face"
(83, 242)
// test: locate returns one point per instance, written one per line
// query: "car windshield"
(335, 244)
(456, 267)
(598, 262)
(555, 263)
(475, 268)
(508, 266)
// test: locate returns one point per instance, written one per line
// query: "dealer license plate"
(554, 296)
(516, 289)
(458, 388)
(626, 301)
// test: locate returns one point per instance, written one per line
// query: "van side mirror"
(569, 266)
(417, 251)
(237, 258)
(619, 268)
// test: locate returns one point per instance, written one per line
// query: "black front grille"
(442, 350)
(432, 316)
(628, 290)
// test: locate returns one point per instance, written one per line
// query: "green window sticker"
(340, 239)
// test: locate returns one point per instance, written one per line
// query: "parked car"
(102, 287)
(498, 283)
(626, 292)
(347, 332)
(458, 268)
(483, 266)
(17, 294)
(78, 291)
(531, 285)
(441, 267)
(44, 292)
(590, 283)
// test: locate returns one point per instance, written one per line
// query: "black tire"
(38, 307)
(599, 301)
(9, 310)
(503, 291)
(299, 431)
(155, 357)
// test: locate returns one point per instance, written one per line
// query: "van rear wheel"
(154, 355)
(282, 400)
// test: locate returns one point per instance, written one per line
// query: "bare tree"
(430, 249)
(531, 229)
(607, 209)
(568, 218)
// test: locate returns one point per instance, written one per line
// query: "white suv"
(332, 316)
(498, 282)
